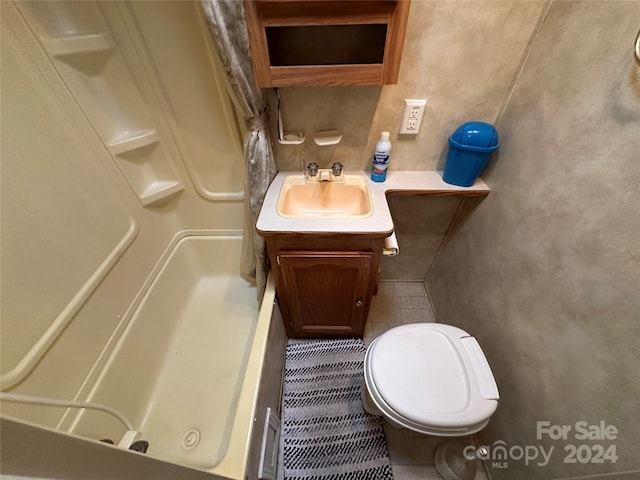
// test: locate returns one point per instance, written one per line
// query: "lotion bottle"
(381, 158)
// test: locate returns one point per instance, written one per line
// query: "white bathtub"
(186, 371)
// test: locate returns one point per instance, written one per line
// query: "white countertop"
(379, 221)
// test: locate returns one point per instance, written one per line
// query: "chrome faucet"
(312, 169)
(316, 174)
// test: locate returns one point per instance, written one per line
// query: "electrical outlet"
(412, 116)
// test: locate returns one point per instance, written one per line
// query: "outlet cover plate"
(412, 116)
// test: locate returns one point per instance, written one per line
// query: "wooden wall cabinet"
(325, 283)
(326, 42)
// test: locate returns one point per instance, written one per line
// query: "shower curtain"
(228, 28)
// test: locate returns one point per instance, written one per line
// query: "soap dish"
(325, 138)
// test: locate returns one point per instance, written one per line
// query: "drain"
(191, 438)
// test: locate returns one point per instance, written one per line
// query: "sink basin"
(350, 198)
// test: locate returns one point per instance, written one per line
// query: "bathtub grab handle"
(54, 402)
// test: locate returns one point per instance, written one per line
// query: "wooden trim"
(325, 75)
(313, 257)
(295, 12)
(257, 44)
(396, 33)
(310, 19)
(263, 13)
(322, 3)
(440, 193)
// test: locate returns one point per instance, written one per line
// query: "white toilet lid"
(433, 374)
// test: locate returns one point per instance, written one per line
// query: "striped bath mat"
(326, 433)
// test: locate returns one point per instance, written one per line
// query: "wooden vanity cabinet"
(325, 282)
(326, 42)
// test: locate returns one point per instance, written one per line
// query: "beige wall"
(546, 273)
(462, 57)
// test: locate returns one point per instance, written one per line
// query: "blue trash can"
(470, 148)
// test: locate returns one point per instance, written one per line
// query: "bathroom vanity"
(325, 282)
(325, 243)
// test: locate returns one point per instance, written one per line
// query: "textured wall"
(462, 56)
(546, 273)
(421, 223)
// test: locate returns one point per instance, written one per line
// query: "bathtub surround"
(95, 277)
(326, 432)
(202, 360)
(548, 267)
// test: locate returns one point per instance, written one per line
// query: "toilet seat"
(431, 378)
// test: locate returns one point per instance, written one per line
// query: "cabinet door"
(327, 292)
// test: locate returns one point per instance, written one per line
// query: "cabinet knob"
(359, 303)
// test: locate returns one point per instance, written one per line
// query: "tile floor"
(395, 304)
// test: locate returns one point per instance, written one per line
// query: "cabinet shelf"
(77, 44)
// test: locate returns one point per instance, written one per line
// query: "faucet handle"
(336, 169)
(312, 169)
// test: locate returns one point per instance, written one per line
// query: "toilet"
(431, 378)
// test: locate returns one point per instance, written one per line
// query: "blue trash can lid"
(475, 136)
